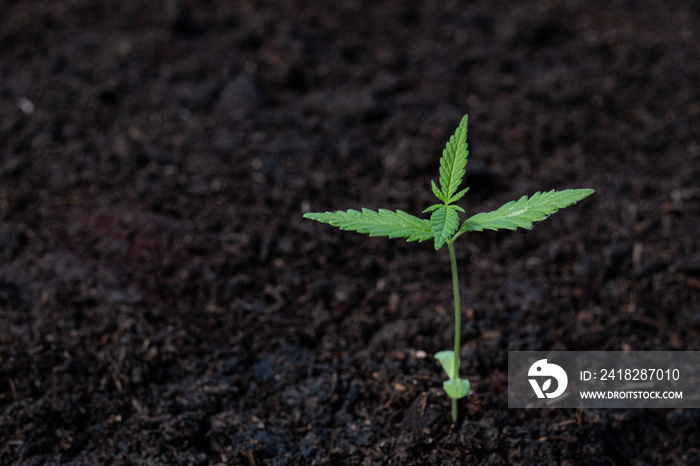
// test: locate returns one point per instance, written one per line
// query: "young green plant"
(443, 228)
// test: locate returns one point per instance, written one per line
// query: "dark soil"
(162, 300)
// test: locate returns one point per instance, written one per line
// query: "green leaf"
(459, 195)
(384, 222)
(436, 191)
(444, 222)
(523, 212)
(433, 207)
(453, 162)
(447, 361)
(456, 388)
(437, 206)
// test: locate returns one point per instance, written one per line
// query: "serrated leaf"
(384, 222)
(459, 195)
(437, 206)
(436, 191)
(456, 388)
(454, 161)
(523, 212)
(447, 361)
(444, 222)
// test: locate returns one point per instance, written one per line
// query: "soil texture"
(163, 302)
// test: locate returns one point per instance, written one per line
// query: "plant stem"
(458, 320)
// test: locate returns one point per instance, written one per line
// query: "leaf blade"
(446, 359)
(383, 222)
(525, 211)
(444, 222)
(459, 195)
(456, 388)
(454, 161)
(437, 191)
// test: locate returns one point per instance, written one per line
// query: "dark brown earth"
(162, 300)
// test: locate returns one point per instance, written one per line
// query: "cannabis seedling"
(444, 228)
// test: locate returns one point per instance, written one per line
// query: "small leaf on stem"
(447, 359)
(456, 388)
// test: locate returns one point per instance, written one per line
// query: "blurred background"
(162, 301)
